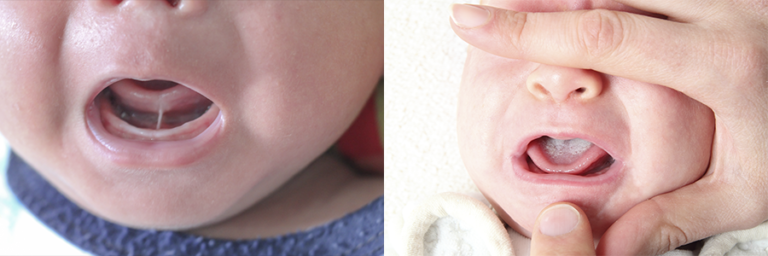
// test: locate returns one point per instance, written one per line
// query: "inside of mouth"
(547, 155)
(154, 105)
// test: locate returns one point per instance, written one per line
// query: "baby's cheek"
(30, 41)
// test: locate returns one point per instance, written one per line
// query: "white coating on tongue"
(565, 151)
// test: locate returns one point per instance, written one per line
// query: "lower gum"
(112, 122)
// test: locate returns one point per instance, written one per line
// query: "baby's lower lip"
(520, 166)
(607, 175)
(134, 147)
(154, 110)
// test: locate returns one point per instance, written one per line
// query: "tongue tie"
(159, 115)
(565, 151)
(160, 108)
(157, 105)
(154, 110)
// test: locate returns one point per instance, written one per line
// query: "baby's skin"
(532, 134)
(189, 114)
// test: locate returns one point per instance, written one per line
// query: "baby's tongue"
(151, 96)
(573, 156)
(157, 103)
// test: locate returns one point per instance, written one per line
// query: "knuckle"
(745, 57)
(739, 61)
(749, 217)
(670, 235)
(515, 25)
(753, 59)
(671, 238)
(601, 32)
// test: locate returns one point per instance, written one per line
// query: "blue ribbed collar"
(358, 233)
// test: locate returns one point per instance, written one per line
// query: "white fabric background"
(20, 232)
(423, 65)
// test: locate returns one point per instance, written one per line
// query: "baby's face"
(532, 134)
(246, 94)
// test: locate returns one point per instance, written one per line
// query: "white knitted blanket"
(423, 64)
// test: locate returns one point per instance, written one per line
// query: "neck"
(326, 190)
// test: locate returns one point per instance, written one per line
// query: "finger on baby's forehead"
(565, 5)
(681, 10)
(553, 5)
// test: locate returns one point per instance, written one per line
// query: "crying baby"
(532, 134)
(192, 127)
(153, 110)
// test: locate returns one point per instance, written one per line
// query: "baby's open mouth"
(547, 155)
(154, 110)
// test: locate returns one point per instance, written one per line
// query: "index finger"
(617, 43)
(681, 10)
(668, 221)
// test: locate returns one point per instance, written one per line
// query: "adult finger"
(731, 197)
(682, 10)
(664, 223)
(617, 43)
(562, 229)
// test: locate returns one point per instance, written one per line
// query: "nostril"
(173, 3)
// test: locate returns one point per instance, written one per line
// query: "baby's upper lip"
(197, 68)
(197, 79)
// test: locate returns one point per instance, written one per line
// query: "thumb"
(562, 229)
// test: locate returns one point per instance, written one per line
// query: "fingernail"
(469, 16)
(559, 220)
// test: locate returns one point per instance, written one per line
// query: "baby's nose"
(561, 83)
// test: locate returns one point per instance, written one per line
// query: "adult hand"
(713, 51)
(562, 229)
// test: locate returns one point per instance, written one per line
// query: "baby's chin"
(523, 221)
(521, 216)
(217, 185)
(177, 201)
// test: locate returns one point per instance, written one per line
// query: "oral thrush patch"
(571, 156)
(564, 151)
